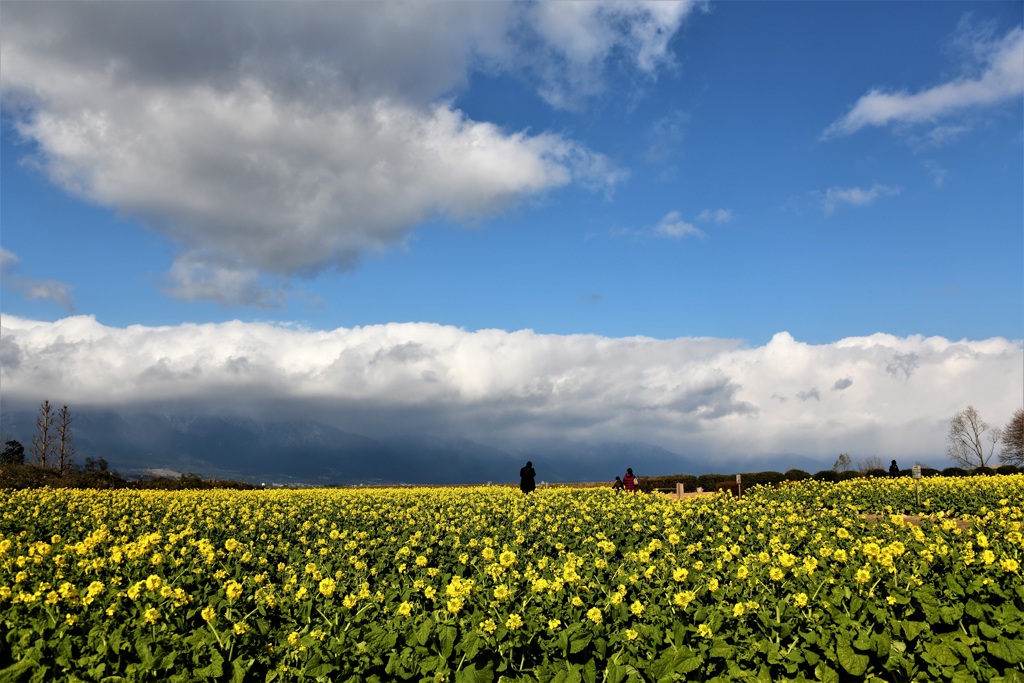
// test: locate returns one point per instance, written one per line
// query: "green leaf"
(721, 649)
(951, 613)
(470, 644)
(989, 632)
(963, 677)
(883, 645)
(422, 634)
(614, 672)
(689, 664)
(825, 673)
(447, 634)
(853, 663)
(579, 643)
(238, 670)
(471, 674)
(214, 669)
(17, 670)
(975, 609)
(911, 629)
(941, 654)
(1011, 651)
(319, 670)
(590, 672)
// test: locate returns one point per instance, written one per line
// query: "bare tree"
(1013, 440)
(967, 431)
(870, 463)
(842, 463)
(65, 445)
(42, 442)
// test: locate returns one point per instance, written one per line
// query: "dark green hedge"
(31, 477)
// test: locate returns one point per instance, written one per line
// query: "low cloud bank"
(875, 395)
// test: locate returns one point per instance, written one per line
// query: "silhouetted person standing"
(526, 478)
(629, 481)
(894, 469)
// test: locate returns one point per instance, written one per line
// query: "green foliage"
(13, 453)
(98, 477)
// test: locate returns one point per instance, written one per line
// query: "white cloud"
(715, 215)
(579, 38)
(857, 196)
(673, 225)
(60, 293)
(7, 259)
(285, 140)
(697, 396)
(1000, 80)
(937, 172)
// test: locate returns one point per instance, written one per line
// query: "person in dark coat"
(617, 484)
(526, 478)
(629, 481)
(894, 469)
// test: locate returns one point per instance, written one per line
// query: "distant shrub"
(708, 481)
(825, 475)
(668, 481)
(982, 472)
(730, 486)
(847, 475)
(797, 475)
(18, 476)
(954, 472)
(31, 477)
(876, 473)
(1007, 469)
(930, 472)
(752, 479)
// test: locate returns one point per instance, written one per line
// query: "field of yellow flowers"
(487, 584)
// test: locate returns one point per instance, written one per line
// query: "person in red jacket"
(629, 481)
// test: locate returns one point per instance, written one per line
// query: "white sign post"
(739, 485)
(916, 473)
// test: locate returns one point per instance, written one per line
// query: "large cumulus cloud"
(280, 139)
(879, 394)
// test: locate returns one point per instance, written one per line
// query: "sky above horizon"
(726, 228)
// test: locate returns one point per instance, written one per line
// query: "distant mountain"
(306, 452)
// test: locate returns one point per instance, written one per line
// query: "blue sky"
(730, 171)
